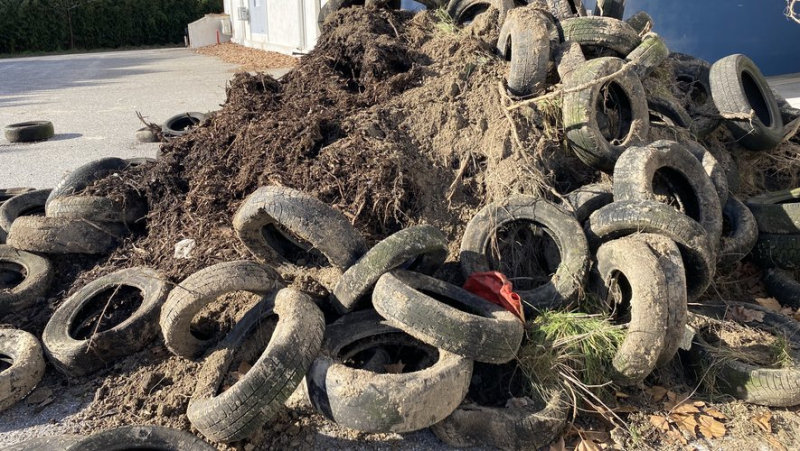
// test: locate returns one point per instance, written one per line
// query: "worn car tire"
(200, 289)
(590, 198)
(420, 248)
(142, 437)
(742, 233)
(78, 357)
(610, 8)
(49, 443)
(693, 87)
(654, 288)
(260, 394)
(372, 402)
(525, 42)
(764, 386)
(31, 131)
(641, 22)
(63, 236)
(601, 32)
(667, 110)
(466, 324)
(788, 112)
(714, 169)
(79, 179)
(462, 10)
(739, 88)
(630, 217)
(96, 208)
(599, 147)
(647, 56)
(506, 428)
(638, 168)
(275, 220)
(8, 193)
(24, 353)
(564, 9)
(38, 273)
(181, 124)
(26, 204)
(777, 212)
(777, 251)
(783, 286)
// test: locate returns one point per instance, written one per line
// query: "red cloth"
(497, 289)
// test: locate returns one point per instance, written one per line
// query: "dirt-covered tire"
(26, 204)
(641, 22)
(714, 169)
(260, 394)
(32, 131)
(693, 88)
(666, 110)
(466, 325)
(38, 273)
(77, 180)
(741, 236)
(788, 112)
(783, 286)
(275, 220)
(142, 437)
(600, 146)
(590, 198)
(507, 428)
(200, 289)
(96, 208)
(525, 42)
(638, 168)
(777, 251)
(777, 212)
(421, 249)
(564, 9)
(567, 282)
(49, 443)
(779, 387)
(181, 124)
(601, 32)
(372, 402)
(630, 217)
(64, 236)
(8, 193)
(610, 8)
(23, 351)
(651, 279)
(739, 88)
(145, 135)
(463, 10)
(77, 356)
(648, 55)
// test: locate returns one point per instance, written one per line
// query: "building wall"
(286, 26)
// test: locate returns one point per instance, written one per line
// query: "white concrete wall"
(291, 25)
(203, 32)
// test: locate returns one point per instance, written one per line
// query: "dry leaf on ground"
(711, 428)
(686, 409)
(558, 445)
(715, 413)
(686, 423)
(659, 422)
(587, 445)
(763, 421)
(744, 314)
(657, 393)
(769, 303)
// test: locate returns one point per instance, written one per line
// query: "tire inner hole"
(471, 13)
(526, 253)
(217, 318)
(756, 99)
(618, 301)
(693, 88)
(106, 310)
(493, 385)
(11, 275)
(184, 123)
(293, 248)
(5, 362)
(249, 351)
(35, 210)
(391, 352)
(447, 300)
(614, 113)
(673, 188)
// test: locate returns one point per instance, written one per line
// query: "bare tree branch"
(793, 10)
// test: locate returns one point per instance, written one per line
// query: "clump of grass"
(444, 22)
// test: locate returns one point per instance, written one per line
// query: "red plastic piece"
(497, 289)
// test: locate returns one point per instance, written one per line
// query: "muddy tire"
(200, 289)
(638, 169)
(372, 402)
(693, 88)
(509, 428)
(777, 251)
(32, 131)
(181, 124)
(601, 32)
(714, 169)
(275, 220)
(145, 135)
(641, 22)
(49, 443)
(739, 88)
(628, 125)
(77, 356)
(564, 9)
(27, 204)
(567, 282)
(756, 385)
(142, 437)
(260, 394)
(668, 111)
(777, 212)
(23, 351)
(783, 286)
(742, 235)
(648, 55)
(788, 112)
(8, 193)
(77, 180)
(95, 208)
(63, 236)
(525, 42)
(467, 325)
(421, 249)
(38, 273)
(657, 288)
(463, 10)
(627, 218)
(588, 199)
(610, 8)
